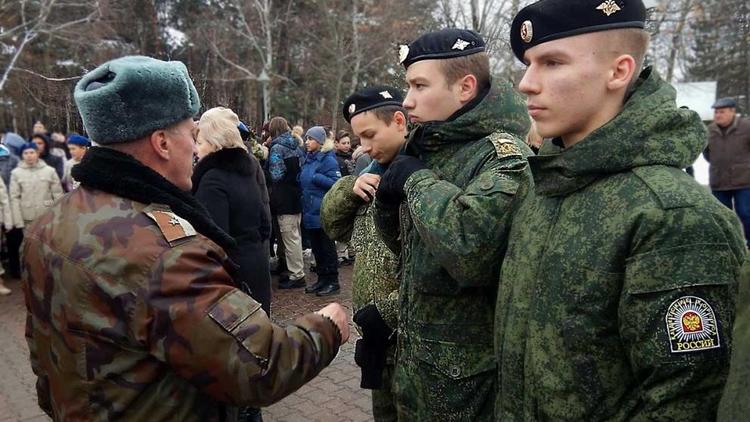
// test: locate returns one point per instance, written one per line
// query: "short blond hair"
(218, 126)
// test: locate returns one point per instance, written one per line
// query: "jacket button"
(455, 371)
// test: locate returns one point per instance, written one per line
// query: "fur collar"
(233, 160)
(122, 175)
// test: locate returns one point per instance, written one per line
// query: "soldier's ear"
(159, 144)
(400, 120)
(622, 71)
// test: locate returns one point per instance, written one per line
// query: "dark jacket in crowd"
(52, 160)
(345, 162)
(319, 173)
(728, 152)
(230, 184)
(284, 164)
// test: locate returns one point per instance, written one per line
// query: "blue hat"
(28, 145)
(127, 98)
(79, 140)
(725, 103)
(317, 133)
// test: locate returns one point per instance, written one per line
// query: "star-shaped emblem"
(460, 44)
(174, 221)
(386, 95)
(609, 7)
(403, 53)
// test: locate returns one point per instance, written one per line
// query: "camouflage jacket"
(347, 218)
(617, 291)
(133, 316)
(452, 236)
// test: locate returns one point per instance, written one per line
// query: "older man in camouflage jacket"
(132, 310)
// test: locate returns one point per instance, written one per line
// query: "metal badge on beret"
(527, 31)
(386, 94)
(460, 44)
(403, 53)
(609, 7)
(352, 108)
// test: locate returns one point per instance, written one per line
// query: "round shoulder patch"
(691, 325)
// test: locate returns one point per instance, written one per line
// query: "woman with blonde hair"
(229, 182)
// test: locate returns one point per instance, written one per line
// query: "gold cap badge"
(609, 7)
(527, 31)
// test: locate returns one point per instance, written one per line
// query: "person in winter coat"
(229, 182)
(77, 145)
(8, 161)
(34, 187)
(284, 166)
(319, 174)
(13, 238)
(43, 144)
(7, 222)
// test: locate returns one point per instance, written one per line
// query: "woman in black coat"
(229, 182)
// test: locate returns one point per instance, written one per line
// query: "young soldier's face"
(565, 84)
(384, 140)
(430, 98)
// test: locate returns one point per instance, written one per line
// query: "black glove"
(370, 351)
(391, 188)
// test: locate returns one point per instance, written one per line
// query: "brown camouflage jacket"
(132, 315)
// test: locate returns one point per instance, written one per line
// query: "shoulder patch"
(172, 226)
(669, 185)
(505, 145)
(691, 325)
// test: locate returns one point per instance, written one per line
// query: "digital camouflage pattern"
(734, 404)
(346, 217)
(132, 322)
(452, 235)
(618, 289)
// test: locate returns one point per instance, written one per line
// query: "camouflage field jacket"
(133, 316)
(451, 238)
(617, 293)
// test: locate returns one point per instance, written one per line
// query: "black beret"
(725, 103)
(443, 44)
(549, 20)
(370, 98)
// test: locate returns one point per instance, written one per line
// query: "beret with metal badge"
(549, 20)
(444, 44)
(371, 98)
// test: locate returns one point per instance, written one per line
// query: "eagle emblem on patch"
(386, 95)
(460, 45)
(403, 53)
(609, 7)
(691, 325)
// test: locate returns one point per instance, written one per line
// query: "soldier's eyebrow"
(416, 79)
(554, 54)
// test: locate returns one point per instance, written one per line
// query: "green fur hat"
(127, 98)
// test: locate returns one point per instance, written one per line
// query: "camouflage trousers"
(383, 400)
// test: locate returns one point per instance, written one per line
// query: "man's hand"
(391, 187)
(366, 185)
(338, 315)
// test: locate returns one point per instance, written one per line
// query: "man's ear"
(159, 144)
(621, 73)
(467, 88)
(400, 119)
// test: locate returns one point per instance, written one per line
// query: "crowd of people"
(34, 173)
(569, 270)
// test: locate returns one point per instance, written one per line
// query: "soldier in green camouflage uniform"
(458, 198)
(617, 291)
(132, 310)
(378, 119)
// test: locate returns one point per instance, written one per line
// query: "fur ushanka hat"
(127, 98)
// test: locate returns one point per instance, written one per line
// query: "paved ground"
(333, 395)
